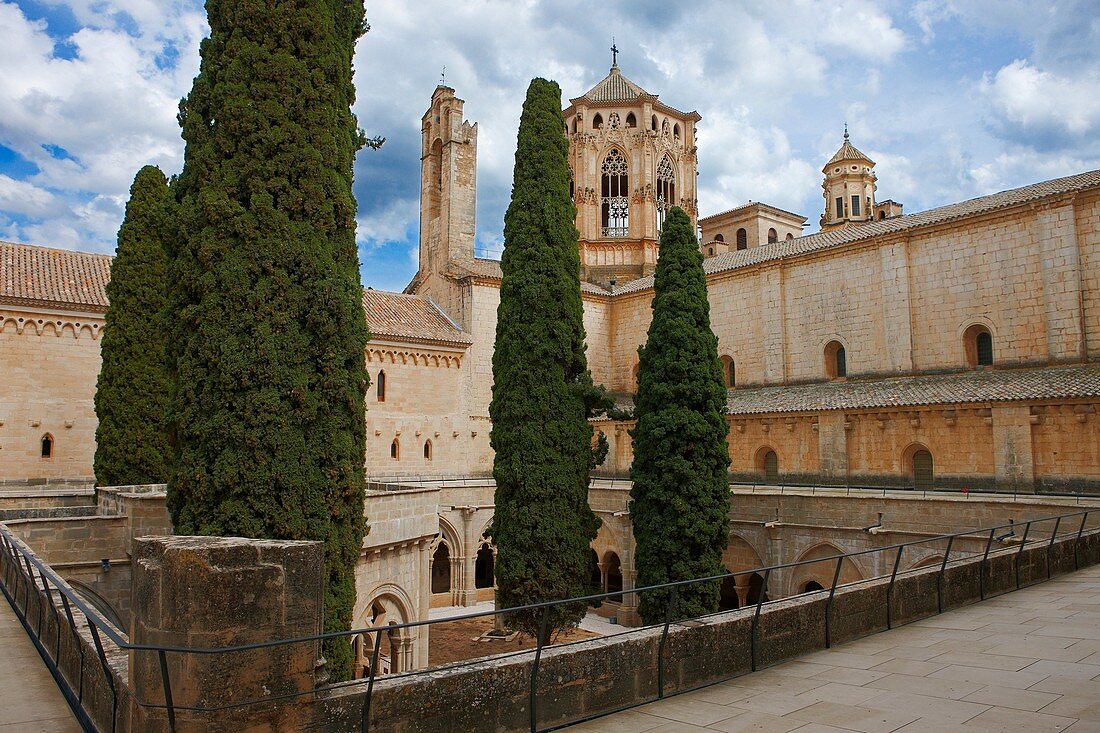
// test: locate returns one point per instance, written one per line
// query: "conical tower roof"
(847, 152)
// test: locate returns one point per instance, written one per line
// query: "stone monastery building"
(953, 347)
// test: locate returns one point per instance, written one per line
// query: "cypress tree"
(131, 398)
(542, 390)
(268, 330)
(680, 496)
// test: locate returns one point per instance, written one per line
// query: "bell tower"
(633, 158)
(849, 187)
(448, 183)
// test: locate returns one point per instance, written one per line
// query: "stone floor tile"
(929, 686)
(854, 717)
(848, 676)
(1071, 706)
(985, 660)
(753, 722)
(1008, 697)
(778, 703)
(686, 709)
(1064, 669)
(628, 721)
(848, 659)
(916, 653)
(676, 726)
(909, 666)
(1003, 720)
(801, 669)
(1038, 650)
(1069, 686)
(933, 708)
(724, 693)
(772, 681)
(838, 692)
(998, 677)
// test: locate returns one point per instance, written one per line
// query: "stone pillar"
(1013, 458)
(1059, 255)
(832, 444)
(741, 588)
(897, 329)
(210, 592)
(472, 541)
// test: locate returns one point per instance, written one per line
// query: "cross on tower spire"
(614, 53)
(443, 77)
(845, 132)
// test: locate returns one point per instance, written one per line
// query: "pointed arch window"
(666, 189)
(427, 450)
(773, 236)
(742, 239)
(395, 450)
(381, 386)
(631, 120)
(615, 194)
(47, 446)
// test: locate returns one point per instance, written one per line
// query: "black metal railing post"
(939, 576)
(890, 589)
(1077, 542)
(1050, 546)
(1020, 552)
(365, 715)
(664, 640)
(106, 671)
(166, 682)
(982, 566)
(533, 699)
(829, 603)
(754, 629)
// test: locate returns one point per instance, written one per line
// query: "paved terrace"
(1025, 661)
(29, 698)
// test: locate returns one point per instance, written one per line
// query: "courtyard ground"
(456, 641)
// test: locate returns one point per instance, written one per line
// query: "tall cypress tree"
(268, 330)
(680, 496)
(542, 390)
(131, 398)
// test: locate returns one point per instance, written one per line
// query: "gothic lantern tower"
(849, 187)
(632, 158)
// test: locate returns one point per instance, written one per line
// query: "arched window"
(613, 120)
(666, 189)
(773, 236)
(483, 567)
(836, 361)
(631, 120)
(882, 215)
(666, 129)
(719, 238)
(729, 372)
(922, 470)
(574, 125)
(727, 593)
(614, 573)
(395, 450)
(435, 178)
(597, 121)
(380, 386)
(676, 130)
(742, 238)
(653, 123)
(710, 251)
(615, 192)
(789, 236)
(770, 467)
(47, 446)
(441, 569)
(812, 586)
(978, 342)
(428, 450)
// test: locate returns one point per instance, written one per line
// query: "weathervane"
(443, 77)
(845, 132)
(614, 52)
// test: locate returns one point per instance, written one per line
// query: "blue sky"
(952, 99)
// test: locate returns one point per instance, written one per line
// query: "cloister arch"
(822, 572)
(389, 604)
(735, 591)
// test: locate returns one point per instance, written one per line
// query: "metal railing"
(23, 573)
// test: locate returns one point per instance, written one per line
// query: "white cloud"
(20, 197)
(1039, 101)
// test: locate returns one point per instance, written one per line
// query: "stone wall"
(50, 361)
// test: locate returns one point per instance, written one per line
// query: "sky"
(953, 99)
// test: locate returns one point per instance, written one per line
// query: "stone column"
(210, 592)
(832, 442)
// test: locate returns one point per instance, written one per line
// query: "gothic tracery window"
(615, 194)
(666, 189)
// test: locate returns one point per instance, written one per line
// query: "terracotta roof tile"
(402, 316)
(846, 235)
(56, 277)
(1000, 385)
(615, 88)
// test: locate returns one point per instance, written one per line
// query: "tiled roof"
(615, 88)
(398, 315)
(1000, 385)
(755, 205)
(56, 277)
(490, 269)
(846, 235)
(848, 152)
